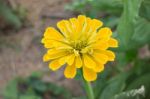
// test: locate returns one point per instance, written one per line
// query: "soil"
(21, 51)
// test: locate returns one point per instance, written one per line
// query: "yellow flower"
(81, 43)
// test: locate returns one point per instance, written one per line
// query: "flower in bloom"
(82, 43)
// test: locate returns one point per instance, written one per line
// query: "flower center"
(79, 45)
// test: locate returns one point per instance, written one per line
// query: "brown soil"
(21, 52)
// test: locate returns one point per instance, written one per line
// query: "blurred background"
(23, 75)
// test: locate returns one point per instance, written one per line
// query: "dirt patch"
(21, 51)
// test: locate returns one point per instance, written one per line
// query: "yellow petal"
(52, 33)
(70, 59)
(63, 60)
(54, 65)
(73, 22)
(95, 24)
(100, 45)
(78, 62)
(89, 74)
(53, 54)
(81, 19)
(70, 71)
(65, 27)
(46, 57)
(104, 33)
(99, 67)
(88, 61)
(45, 40)
(48, 43)
(61, 45)
(75, 28)
(110, 54)
(113, 42)
(100, 57)
(87, 26)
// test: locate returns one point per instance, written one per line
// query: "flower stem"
(89, 90)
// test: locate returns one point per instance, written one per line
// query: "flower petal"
(65, 27)
(70, 71)
(46, 57)
(81, 19)
(113, 42)
(87, 26)
(61, 45)
(95, 24)
(48, 43)
(70, 59)
(76, 28)
(100, 57)
(99, 67)
(104, 33)
(52, 33)
(53, 53)
(63, 59)
(100, 45)
(89, 74)
(78, 62)
(54, 65)
(88, 61)
(110, 54)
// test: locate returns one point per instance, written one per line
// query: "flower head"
(83, 43)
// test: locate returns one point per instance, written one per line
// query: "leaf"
(59, 91)
(11, 92)
(29, 97)
(142, 31)
(142, 80)
(101, 81)
(126, 25)
(79, 75)
(131, 94)
(92, 8)
(37, 74)
(145, 9)
(142, 66)
(114, 86)
(124, 58)
(107, 6)
(9, 16)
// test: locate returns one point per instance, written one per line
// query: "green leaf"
(101, 81)
(79, 75)
(92, 8)
(145, 9)
(113, 7)
(139, 64)
(131, 94)
(142, 80)
(142, 31)
(126, 25)
(114, 86)
(29, 97)
(124, 58)
(11, 92)
(37, 74)
(39, 86)
(58, 90)
(9, 16)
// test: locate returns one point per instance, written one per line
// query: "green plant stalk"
(89, 90)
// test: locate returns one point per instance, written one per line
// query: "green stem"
(89, 90)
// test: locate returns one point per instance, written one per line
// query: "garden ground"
(21, 52)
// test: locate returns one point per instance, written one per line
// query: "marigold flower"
(81, 43)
